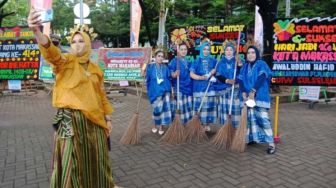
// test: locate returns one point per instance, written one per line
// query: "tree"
(111, 18)
(309, 8)
(63, 17)
(10, 8)
(112, 23)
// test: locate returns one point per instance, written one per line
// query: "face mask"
(78, 48)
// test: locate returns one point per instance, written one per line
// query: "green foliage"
(20, 7)
(63, 17)
(112, 23)
(210, 12)
(308, 8)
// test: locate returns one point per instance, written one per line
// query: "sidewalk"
(305, 156)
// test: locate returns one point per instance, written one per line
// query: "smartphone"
(46, 15)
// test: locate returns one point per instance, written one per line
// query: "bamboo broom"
(132, 135)
(225, 134)
(194, 131)
(239, 140)
(175, 133)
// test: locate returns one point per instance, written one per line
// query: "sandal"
(154, 130)
(161, 132)
(270, 150)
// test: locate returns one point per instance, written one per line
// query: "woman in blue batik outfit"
(159, 88)
(179, 66)
(201, 71)
(254, 79)
(225, 73)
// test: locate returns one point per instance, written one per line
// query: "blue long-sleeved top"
(248, 76)
(202, 66)
(185, 80)
(225, 70)
(261, 78)
(154, 74)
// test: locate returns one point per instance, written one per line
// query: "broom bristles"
(175, 133)
(131, 135)
(223, 138)
(194, 132)
(239, 140)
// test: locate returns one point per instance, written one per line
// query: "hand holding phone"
(46, 15)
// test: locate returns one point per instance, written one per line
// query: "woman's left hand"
(251, 95)
(213, 72)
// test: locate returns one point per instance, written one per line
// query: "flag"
(135, 23)
(258, 30)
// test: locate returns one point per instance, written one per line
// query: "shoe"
(154, 130)
(252, 143)
(161, 132)
(270, 150)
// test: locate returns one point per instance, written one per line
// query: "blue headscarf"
(257, 54)
(233, 48)
(202, 47)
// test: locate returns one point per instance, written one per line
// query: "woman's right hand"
(176, 73)
(244, 96)
(34, 20)
(230, 81)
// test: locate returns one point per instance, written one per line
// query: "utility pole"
(81, 12)
(288, 2)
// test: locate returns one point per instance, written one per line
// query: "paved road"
(306, 156)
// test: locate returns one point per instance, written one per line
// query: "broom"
(225, 134)
(194, 131)
(132, 135)
(175, 133)
(239, 140)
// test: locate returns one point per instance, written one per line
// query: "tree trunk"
(228, 7)
(268, 10)
(162, 23)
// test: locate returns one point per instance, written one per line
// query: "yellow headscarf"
(86, 56)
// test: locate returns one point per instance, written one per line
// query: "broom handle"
(143, 84)
(178, 77)
(205, 94)
(140, 96)
(234, 75)
(207, 89)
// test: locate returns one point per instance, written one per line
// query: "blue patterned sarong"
(162, 110)
(224, 99)
(259, 126)
(186, 107)
(208, 113)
